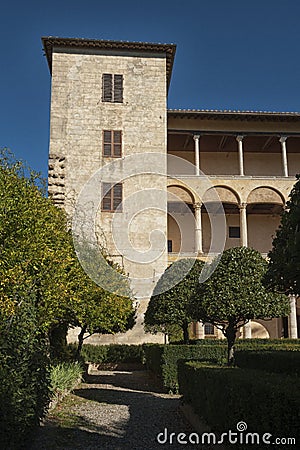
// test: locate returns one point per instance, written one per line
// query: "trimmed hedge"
(224, 396)
(251, 343)
(162, 359)
(115, 353)
(278, 361)
(24, 377)
(268, 344)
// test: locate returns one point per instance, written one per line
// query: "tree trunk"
(80, 340)
(185, 330)
(58, 342)
(230, 336)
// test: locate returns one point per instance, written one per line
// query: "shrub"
(279, 361)
(224, 396)
(251, 343)
(24, 377)
(64, 378)
(268, 344)
(162, 359)
(115, 353)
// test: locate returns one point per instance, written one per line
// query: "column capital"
(196, 137)
(197, 205)
(239, 137)
(242, 206)
(282, 139)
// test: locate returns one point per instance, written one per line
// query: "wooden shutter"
(107, 87)
(112, 143)
(111, 196)
(107, 143)
(118, 88)
(117, 143)
(106, 197)
(117, 195)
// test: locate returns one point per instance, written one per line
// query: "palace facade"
(171, 183)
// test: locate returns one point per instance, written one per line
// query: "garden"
(44, 291)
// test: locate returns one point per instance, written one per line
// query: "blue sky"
(230, 55)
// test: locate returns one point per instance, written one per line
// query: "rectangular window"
(112, 143)
(112, 197)
(209, 329)
(170, 246)
(234, 232)
(112, 88)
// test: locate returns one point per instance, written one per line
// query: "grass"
(64, 378)
(63, 415)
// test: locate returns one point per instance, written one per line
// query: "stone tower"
(108, 107)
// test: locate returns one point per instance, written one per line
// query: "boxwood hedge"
(114, 353)
(223, 396)
(162, 359)
(278, 361)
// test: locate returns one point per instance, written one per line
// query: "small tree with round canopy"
(169, 303)
(234, 294)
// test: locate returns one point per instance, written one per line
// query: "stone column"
(293, 318)
(199, 330)
(198, 228)
(247, 330)
(241, 156)
(197, 154)
(285, 170)
(243, 224)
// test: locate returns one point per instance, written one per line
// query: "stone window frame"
(112, 144)
(112, 88)
(112, 197)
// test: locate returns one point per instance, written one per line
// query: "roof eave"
(49, 42)
(235, 115)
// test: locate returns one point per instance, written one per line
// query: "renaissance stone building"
(165, 175)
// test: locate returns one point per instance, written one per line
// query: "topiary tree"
(283, 273)
(234, 294)
(169, 302)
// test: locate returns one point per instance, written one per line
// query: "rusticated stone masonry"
(56, 179)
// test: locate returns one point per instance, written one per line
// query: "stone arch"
(266, 194)
(259, 330)
(225, 194)
(264, 207)
(180, 219)
(182, 192)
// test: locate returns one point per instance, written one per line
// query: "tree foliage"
(38, 260)
(169, 303)
(24, 376)
(34, 246)
(42, 288)
(234, 294)
(283, 273)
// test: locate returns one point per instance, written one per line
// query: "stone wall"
(78, 118)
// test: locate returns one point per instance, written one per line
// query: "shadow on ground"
(141, 380)
(117, 410)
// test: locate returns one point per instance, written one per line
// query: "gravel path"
(115, 410)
